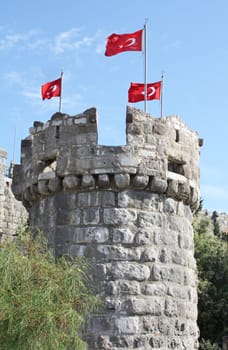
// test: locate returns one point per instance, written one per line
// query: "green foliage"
(43, 302)
(211, 254)
(216, 229)
(206, 345)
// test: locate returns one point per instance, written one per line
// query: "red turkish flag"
(117, 43)
(51, 89)
(136, 92)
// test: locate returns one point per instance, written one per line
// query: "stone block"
(74, 217)
(92, 234)
(118, 253)
(168, 238)
(154, 289)
(47, 175)
(130, 271)
(129, 287)
(144, 306)
(158, 185)
(185, 242)
(103, 181)
(180, 292)
(124, 236)
(167, 273)
(121, 180)
(77, 250)
(108, 199)
(88, 182)
(144, 237)
(64, 234)
(89, 199)
(68, 217)
(127, 325)
(140, 181)
(149, 254)
(171, 309)
(55, 184)
(156, 342)
(91, 216)
(179, 257)
(116, 216)
(172, 190)
(43, 187)
(122, 287)
(70, 182)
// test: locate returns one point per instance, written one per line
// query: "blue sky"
(187, 40)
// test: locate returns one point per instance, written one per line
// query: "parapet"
(161, 155)
(3, 157)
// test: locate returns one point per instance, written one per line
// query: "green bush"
(43, 301)
(211, 254)
(206, 345)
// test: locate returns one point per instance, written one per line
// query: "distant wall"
(12, 212)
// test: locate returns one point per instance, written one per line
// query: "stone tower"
(127, 208)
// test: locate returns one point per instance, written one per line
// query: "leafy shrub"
(43, 301)
(211, 254)
(206, 345)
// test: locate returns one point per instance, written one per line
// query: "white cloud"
(21, 40)
(70, 40)
(64, 41)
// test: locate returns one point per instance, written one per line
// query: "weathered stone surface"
(140, 181)
(103, 180)
(121, 180)
(70, 182)
(88, 181)
(129, 210)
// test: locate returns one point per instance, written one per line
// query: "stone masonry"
(129, 210)
(12, 212)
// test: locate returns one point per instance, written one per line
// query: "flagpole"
(162, 76)
(60, 97)
(145, 67)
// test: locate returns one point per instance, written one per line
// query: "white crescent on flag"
(130, 42)
(51, 89)
(150, 91)
(153, 90)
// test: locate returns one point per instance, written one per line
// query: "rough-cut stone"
(121, 180)
(129, 210)
(70, 182)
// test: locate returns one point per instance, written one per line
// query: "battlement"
(161, 155)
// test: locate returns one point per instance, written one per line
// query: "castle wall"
(12, 212)
(129, 210)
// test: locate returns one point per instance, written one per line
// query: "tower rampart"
(127, 208)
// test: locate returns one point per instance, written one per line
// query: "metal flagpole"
(60, 97)
(145, 66)
(162, 76)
